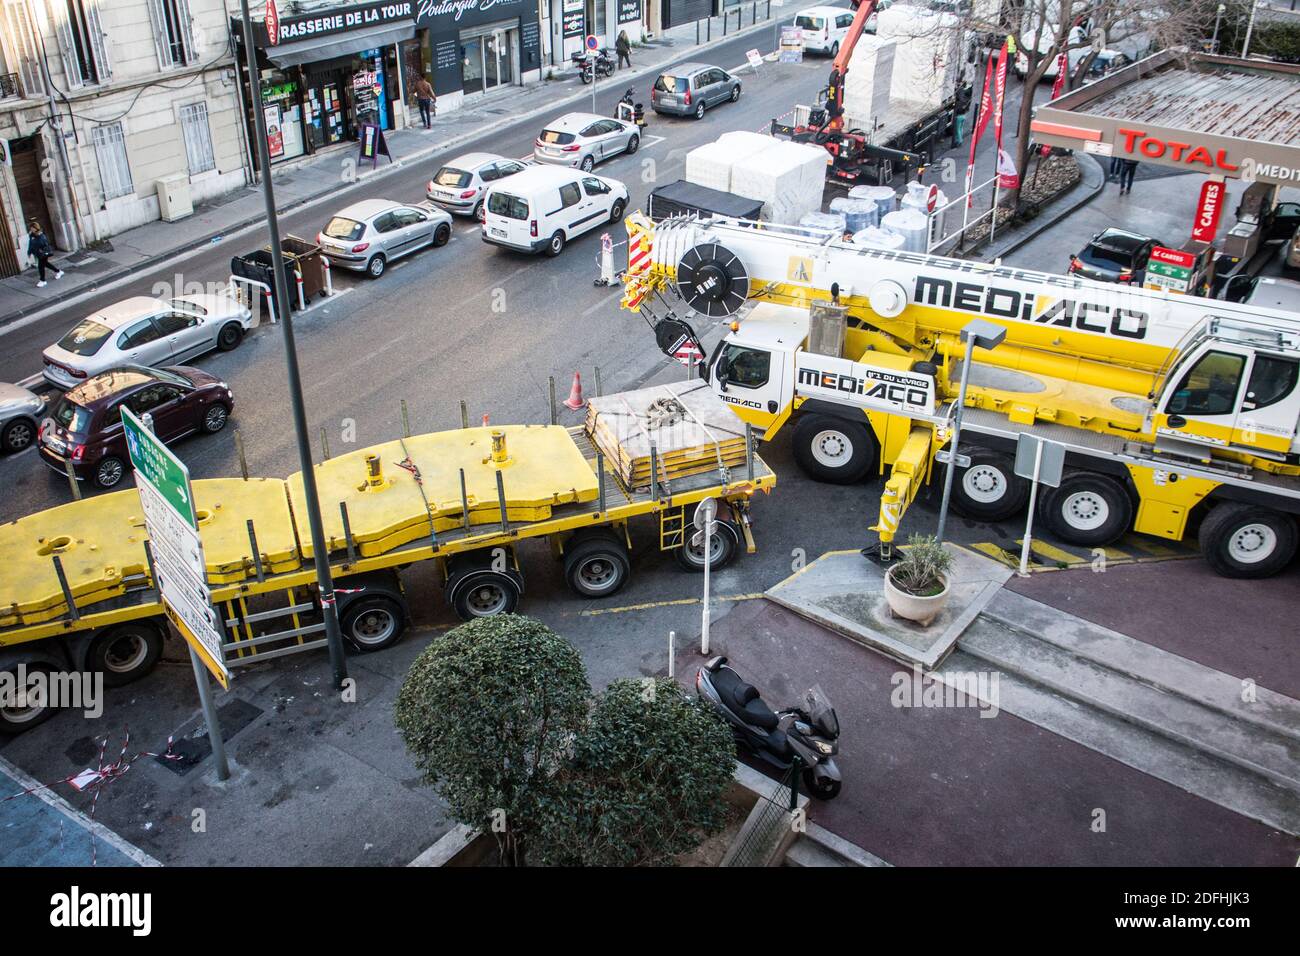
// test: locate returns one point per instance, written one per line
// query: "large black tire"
(125, 653)
(596, 565)
(18, 435)
(110, 471)
(1088, 510)
(15, 719)
(373, 623)
(834, 449)
(481, 592)
(725, 547)
(442, 235)
(989, 489)
(1247, 541)
(231, 334)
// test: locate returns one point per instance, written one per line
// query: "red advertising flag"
(272, 23)
(1008, 178)
(1057, 87)
(1208, 210)
(1000, 89)
(986, 100)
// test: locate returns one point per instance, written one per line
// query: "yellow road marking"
(1052, 553)
(650, 605)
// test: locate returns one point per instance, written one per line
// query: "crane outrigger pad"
(543, 468)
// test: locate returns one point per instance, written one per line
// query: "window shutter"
(187, 28)
(159, 33)
(98, 41)
(67, 46)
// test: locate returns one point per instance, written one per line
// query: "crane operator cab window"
(746, 367)
(1210, 386)
(1271, 380)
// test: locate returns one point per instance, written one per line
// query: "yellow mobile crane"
(1175, 411)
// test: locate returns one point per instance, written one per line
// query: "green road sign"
(164, 470)
(1172, 272)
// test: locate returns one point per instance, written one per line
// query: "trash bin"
(309, 260)
(257, 266)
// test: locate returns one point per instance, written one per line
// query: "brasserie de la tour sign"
(288, 29)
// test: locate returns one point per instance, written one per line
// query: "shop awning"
(327, 48)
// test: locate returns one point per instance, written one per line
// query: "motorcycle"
(630, 111)
(809, 732)
(603, 64)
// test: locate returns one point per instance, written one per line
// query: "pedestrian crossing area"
(1046, 556)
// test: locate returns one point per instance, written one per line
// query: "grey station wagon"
(691, 88)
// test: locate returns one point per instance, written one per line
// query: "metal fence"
(771, 818)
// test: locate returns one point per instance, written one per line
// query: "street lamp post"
(324, 579)
(1218, 18)
(1250, 28)
(977, 333)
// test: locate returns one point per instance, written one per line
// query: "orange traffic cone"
(575, 399)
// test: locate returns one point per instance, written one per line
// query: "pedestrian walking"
(427, 101)
(623, 46)
(1126, 172)
(1116, 163)
(39, 248)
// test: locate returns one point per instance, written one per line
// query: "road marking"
(651, 605)
(601, 304)
(1132, 549)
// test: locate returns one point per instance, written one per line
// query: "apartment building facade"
(100, 101)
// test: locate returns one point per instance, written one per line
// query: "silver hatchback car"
(367, 235)
(460, 185)
(582, 140)
(20, 410)
(691, 88)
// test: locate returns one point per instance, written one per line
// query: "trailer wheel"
(1089, 510)
(125, 653)
(834, 449)
(725, 545)
(483, 593)
(1247, 541)
(989, 489)
(18, 715)
(596, 565)
(373, 623)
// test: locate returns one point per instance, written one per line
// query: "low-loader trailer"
(78, 594)
(1176, 412)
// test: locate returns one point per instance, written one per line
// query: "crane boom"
(840, 68)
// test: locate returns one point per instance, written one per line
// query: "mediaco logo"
(974, 689)
(74, 909)
(23, 689)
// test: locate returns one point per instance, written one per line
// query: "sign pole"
(324, 579)
(210, 715)
(708, 554)
(1029, 519)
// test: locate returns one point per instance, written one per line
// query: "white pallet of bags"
(876, 238)
(787, 178)
(911, 225)
(882, 196)
(831, 221)
(858, 213)
(710, 166)
(867, 86)
(927, 55)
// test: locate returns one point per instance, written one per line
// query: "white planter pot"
(922, 610)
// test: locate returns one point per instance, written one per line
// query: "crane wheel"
(989, 489)
(834, 450)
(1089, 510)
(596, 565)
(1247, 541)
(125, 653)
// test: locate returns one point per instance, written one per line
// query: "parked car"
(459, 186)
(1270, 293)
(85, 426)
(825, 28)
(1291, 258)
(1114, 255)
(20, 410)
(585, 139)
(691, 88)
(146, 331)
(543, 208)
(368, 235)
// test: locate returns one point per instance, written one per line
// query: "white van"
(545, 206)
(824, 28)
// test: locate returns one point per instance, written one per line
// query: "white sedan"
(146, 331)
(460, 185)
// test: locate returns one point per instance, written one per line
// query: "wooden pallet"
(691, 429)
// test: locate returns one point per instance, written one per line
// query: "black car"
(84, 429)
(1115, 256)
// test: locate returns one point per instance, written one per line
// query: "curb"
(219, 238)
(1040, 227)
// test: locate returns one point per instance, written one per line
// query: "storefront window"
(488, 57)
(471, 65)
(284, 135)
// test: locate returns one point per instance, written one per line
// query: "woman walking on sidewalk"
(38, 247)
(623, 47)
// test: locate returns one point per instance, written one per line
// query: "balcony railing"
(9, 86)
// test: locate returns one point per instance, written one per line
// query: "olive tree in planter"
(489, 713)
(646, 781)
(916, 586)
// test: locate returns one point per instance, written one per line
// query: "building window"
(198, 138)
(110, 153)
(17, 26)
(173, 32)
(81, 40)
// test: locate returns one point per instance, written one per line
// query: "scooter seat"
(743, 699)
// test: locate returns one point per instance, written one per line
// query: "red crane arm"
(835, 89)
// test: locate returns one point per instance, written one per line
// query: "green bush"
(646, 781)
(489, 713)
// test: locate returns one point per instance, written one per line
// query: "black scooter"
(603, 64)
(629, 110)
(809, 732)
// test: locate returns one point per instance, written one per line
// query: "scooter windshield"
(821, 714)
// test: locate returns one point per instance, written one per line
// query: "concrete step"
(817, 846)
(1109, 682)
(1188, 767)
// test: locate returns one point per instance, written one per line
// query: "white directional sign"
(169, 515)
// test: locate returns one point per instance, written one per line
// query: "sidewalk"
(336, 171)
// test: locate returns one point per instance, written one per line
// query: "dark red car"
(85, 425)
